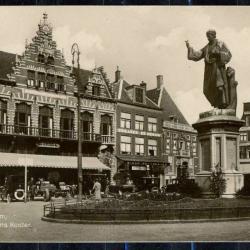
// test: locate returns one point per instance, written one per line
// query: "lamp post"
(76, 54)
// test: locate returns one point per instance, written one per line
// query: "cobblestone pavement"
(22, 222)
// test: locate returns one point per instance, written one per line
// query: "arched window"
(23, 118)
(45, 121)
(67, 123)
(87, 125)
(50, 60)
(106, 125)
(41, 58)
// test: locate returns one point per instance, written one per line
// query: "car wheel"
(19, 194)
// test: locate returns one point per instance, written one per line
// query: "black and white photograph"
(124, 124)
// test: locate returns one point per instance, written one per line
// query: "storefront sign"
(136, 132)
(48, 145)
(140, 168)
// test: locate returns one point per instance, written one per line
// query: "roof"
(49, 161)
(162, 98)
(122, 96)
(7, 61)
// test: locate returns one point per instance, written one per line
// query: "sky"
(144, 41)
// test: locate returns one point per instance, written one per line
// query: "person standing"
(97, 189)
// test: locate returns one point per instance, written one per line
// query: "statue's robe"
(215, 86)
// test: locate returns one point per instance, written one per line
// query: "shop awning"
(49, 161)
(142, 161)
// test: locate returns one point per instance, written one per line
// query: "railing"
(108, 139)
(46, 132)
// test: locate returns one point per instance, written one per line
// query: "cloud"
(191, 103)
(88, 43)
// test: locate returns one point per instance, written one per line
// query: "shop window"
(152, 124)
(125, 145)
(139, 146)
(139, 95)
(125, 120)
(152, 147)
(96, 90)
(41, 58)
(139, 122)
(31, 78)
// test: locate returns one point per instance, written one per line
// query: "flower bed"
(148, 210)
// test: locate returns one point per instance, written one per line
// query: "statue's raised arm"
(192, 54)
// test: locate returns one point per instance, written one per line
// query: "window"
(96, 90)
(167, 144)
(67, 123)
(243, 137)
(106, 125)
(139, 122)
(139, 95)
(87, 125)
(60, 83)
(194, 148)
(174, 145)
(174, 135)
(152, 124)
(188, 145)
(125, 120)
(41, 79)
(139, 146)
(50, 82)
(50, 60)
(168, 134)
(188, 137)
(152, 147)
(45, 121)
(31, 78)
(125, 145)
(181, 145)
(41, 58)
(193, 138)
(22, 118)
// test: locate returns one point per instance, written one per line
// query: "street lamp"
(76, 54)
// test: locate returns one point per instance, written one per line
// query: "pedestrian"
(31, 188)
(97, 189)
(107, 187)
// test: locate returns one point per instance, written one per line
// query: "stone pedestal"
(218, 145)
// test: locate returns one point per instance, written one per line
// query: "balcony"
(108, 139)
(47, 133)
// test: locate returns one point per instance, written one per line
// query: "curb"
(44, 218)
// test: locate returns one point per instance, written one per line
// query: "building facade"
(245, 144)
(139, 134)
(179, 146)
(39, 113)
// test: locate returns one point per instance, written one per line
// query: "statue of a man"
(219, 83)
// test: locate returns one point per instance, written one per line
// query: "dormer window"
(139, 95)
(31, 78)
(96, 90)
(50, 60)
(41, 58)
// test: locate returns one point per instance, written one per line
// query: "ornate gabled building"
(179, 145)
(38, 113)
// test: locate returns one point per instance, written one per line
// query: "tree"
(217, 182)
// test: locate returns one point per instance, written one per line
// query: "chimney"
(117, 74)
(143, 84)
(159, 81)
